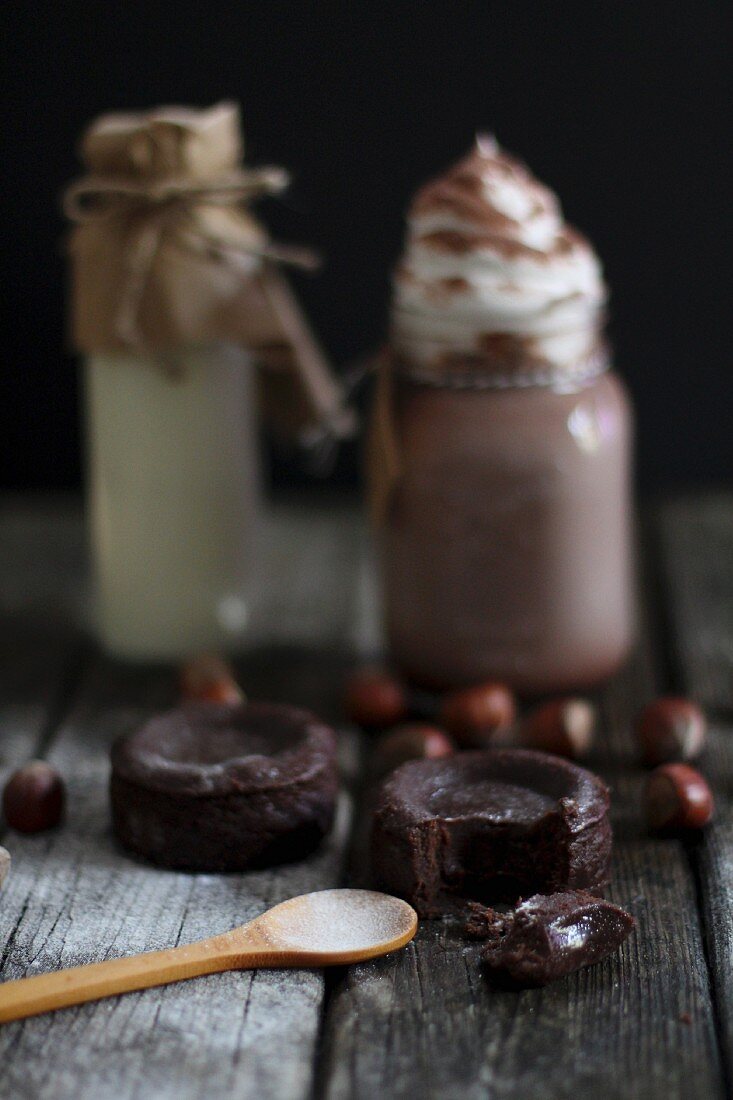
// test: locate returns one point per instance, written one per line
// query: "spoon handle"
(45, 992)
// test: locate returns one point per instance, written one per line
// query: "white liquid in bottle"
(172, 499)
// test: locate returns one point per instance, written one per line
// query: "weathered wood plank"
(43, 571)
(41, 647)
(73, 897)
(321, 542)
(313, 583)
(639, 1025)
(39, 664)
(696, 540)
(423, 1022)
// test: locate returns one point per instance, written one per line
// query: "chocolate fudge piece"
(489, 826)
(211, 787)
(548, 936)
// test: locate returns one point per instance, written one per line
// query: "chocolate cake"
(224, 787)
(548, 936)
(489, 826)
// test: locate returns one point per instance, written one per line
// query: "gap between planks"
(73, 898)
(694, 538)
(639, 1025)
(72, 891)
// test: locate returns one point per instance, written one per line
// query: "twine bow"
(157, 205)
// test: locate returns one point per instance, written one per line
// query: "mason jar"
(505, 539)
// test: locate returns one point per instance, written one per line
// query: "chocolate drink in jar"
(501, 443)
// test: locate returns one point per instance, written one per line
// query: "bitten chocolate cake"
(489, 826)
(225, 788)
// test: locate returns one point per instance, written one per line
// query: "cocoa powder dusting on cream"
(488, 254)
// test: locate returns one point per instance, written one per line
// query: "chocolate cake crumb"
(548, 936)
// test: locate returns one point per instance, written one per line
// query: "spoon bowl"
(335, 927)
(325, 928)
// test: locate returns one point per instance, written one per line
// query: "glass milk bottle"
(172, 281)
(172, 496)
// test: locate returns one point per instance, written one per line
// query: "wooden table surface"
(656, 1020)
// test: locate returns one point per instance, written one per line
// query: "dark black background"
(620, 106)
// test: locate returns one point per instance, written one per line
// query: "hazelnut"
(474, 715)
(4, 864)
(413, 741)
(209, 679)
(564, 727)
(670, 729)
(34, 798)
(374, 698)
(677, 797)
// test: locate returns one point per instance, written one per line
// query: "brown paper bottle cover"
(165, 253)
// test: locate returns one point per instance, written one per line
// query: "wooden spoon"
(327, 928)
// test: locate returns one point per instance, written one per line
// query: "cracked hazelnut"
(375, 699)
(209, 679)
(413, 741)
(474, 715)
(564, 727)
(33, 799)
(677, 798)
(670, 729)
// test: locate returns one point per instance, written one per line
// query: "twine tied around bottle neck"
(153, 207)
(166, 254)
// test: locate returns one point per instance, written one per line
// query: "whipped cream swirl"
(492, 273)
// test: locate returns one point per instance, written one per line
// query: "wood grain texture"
(325, 546)
(639, 1025)
(42, 555)
(695, 538)
(694, 541)
(42, 645)
(39, 665)
(73, 897)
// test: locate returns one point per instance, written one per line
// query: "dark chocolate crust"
(489, 826)
(548, 936)
(224, 788)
